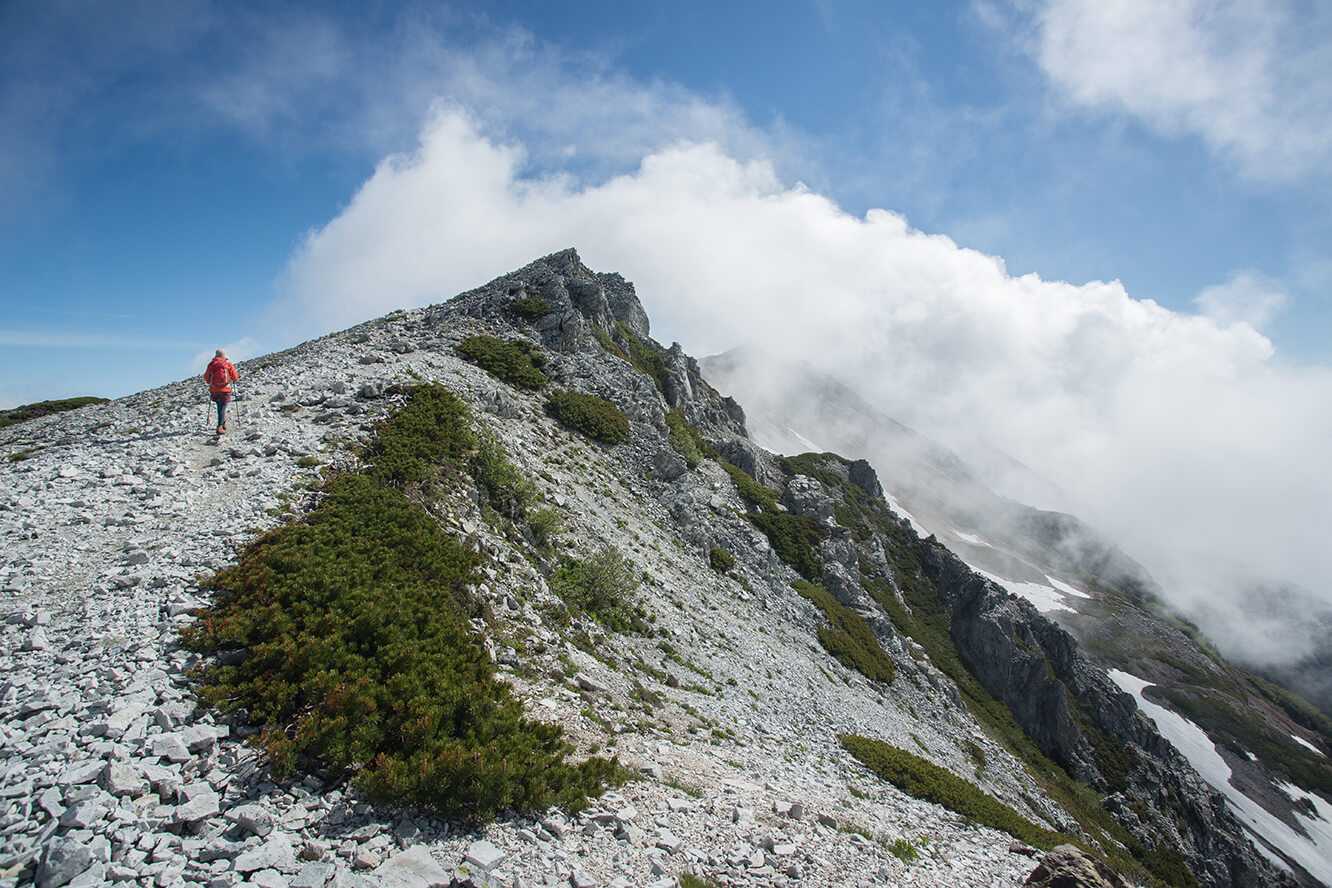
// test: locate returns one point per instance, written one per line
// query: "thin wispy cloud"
(51, 339)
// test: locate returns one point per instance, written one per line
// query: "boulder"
(1068, 867)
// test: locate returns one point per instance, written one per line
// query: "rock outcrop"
(1035, 667)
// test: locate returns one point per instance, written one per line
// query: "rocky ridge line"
(110, 774)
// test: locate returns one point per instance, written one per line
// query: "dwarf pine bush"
(645, 356)
(794, 538)
(431, 431)
(599, 419)
(720, 560)
(530, 308)
(516, 361)
(685, 439)
(847, 637)
(601, 586)
(360, 657)
(25, 412)
(927, 781)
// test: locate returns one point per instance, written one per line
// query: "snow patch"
(1045, 598)
(1307, 744)
(969, 538)
(1066, 588)
(1313, 852)
(903, 513)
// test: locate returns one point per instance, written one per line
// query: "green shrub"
(360, 657)
(543, 524)
(508, 491)
(25, 412)
(689, 880)
(750, 490)
(601, 587)
(530, 308)
(794, 538)
(429, 431)
(903, 850)
(645, 356)
(685, 439)
(516, 361)
(720, 559)
(599, 419)
(927, 781)
(848, 638)
(608, 343)
(1166, 864)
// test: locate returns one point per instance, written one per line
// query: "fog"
(1181, 436)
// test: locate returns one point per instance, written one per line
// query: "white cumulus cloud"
(1174, 432)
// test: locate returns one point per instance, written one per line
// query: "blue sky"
(1087, 232)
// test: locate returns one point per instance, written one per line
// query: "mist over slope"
(1263, 736)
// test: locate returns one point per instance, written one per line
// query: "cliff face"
(1261, 746)
(1035, 667)
(784, 606)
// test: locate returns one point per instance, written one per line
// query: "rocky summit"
(802, 690)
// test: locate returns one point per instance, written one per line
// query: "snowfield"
(1312, 851)
(1047, 597)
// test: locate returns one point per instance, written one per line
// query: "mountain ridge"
(775, 717)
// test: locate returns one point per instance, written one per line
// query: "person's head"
(221, 354)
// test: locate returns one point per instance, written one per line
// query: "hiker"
(220, 374)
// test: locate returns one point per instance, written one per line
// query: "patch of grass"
(601, 586)
(26, 453)
(608, 343)
(309, 462)
(720, 560)
(848, 637)
(360, 656)
(1244, 732)
(599, 419)
(685, 439)
(645, 356)
(927, 781)
(530, 308)
(515, 361)
(903, 850)
(794, 538)
(689, 880)
(25, 412)
(750, 490)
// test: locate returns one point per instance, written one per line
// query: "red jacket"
(230, 377)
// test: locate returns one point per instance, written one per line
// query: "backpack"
(218, 375)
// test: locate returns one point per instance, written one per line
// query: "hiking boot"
(221, 429)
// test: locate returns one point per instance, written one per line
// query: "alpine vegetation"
(501, 592)
(352, 650)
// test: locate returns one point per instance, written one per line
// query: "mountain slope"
(1269, 746)
(788, 611)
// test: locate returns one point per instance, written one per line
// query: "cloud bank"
(1252, 78)
(1178, 434)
